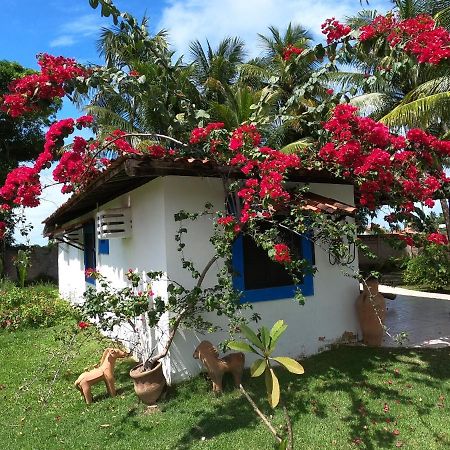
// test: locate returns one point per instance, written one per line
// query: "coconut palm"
(216, 70)
(148, 92)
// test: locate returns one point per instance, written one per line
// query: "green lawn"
(348, 398)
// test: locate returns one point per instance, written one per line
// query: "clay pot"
(371, 307)
(148, 385)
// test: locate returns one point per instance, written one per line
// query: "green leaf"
(273, 387)
(290, 364)
(265, 337)
(257, 367)
(277, 330)
(251, 336)
(301, 144)
(282, 445)
(319, 51)
(241, 346)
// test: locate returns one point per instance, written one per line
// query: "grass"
(350, 397)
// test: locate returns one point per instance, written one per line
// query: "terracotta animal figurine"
(216, 367)
(371, 308)
(103, 372)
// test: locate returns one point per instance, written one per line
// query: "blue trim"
(280, 292)
(103, 246)
(89, 262)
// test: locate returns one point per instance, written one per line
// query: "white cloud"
(71, 32)
(63, 41)
(51, 199)
(200, 19)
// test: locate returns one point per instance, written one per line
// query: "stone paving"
(424, 316)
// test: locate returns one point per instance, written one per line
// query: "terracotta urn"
(148, 384)
(371, 309)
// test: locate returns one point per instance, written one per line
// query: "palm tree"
(217, 70)
(158, 95)
(280, 80)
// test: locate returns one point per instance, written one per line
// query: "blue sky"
(71, 27)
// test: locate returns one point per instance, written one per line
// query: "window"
(89, 249)
(103, 246)
(260, 278)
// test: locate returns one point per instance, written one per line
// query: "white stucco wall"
(322, 320)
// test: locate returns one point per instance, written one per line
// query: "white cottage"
(125, 219)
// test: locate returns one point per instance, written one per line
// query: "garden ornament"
(371, 309)
(103, 372)
(216, 367)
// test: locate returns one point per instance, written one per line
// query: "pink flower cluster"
(383, 163)
(418, 35)
(28, 92)
(245, 134)
(22, 185)
(334, 30)
(201, 134)
(290, 50)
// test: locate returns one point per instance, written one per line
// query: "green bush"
(35, 306)
(430, 268)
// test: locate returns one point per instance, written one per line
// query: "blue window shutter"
(103, 246)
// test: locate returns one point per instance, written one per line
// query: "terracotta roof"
(128, 173)
(318, 203)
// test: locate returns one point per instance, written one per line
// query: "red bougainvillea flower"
(419, 35)
(437, 238)
(290, 50)
(282, 253)
(27, 92)
(90, 273)
(83, 325)
(225, 220)
(201, 134)
(334, 30)
(244, 134)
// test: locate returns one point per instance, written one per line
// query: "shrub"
(34, 306)
(431, 268)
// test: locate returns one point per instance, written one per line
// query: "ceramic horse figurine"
(103, 372)
(216, 367)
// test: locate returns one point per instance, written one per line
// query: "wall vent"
(114, 223)
(75, 236)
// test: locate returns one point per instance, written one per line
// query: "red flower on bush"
(83, 325)
(291, 50)
(437, 238)
(334, 30)
(282, 254)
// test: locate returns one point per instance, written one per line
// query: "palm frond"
(421, 112)
(295, 147)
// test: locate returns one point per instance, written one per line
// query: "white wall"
(322, 320)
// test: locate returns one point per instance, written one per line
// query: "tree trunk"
(446, 212)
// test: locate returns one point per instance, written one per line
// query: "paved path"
(423, 315)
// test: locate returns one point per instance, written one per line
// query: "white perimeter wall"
(322, 320)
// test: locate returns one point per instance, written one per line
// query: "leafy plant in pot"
(136, 305)
(117, 312)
